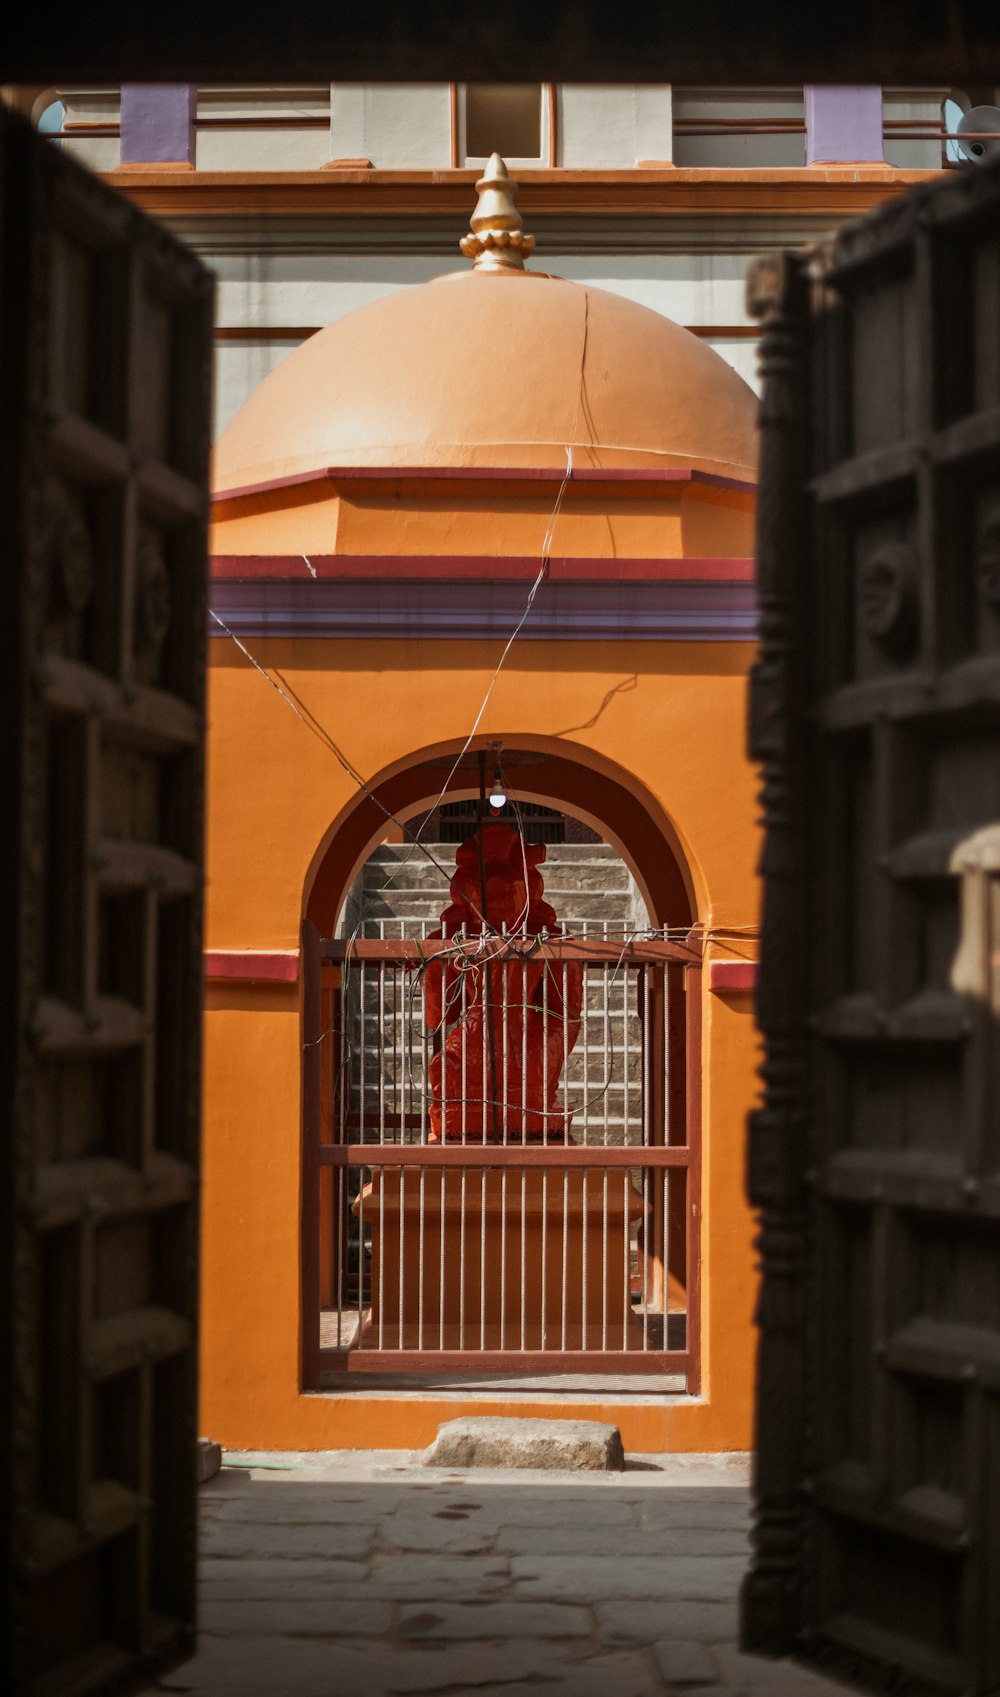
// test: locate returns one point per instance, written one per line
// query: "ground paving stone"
(621, 1674)
(254, 1573)
(424, 1575)
(285, 1543)
(643, 1622)
(451, 1537)
(300, 1617)
(684, 1662)
(590, 1585)
(707, 1578)
(514, 1503)
(623, 1541)
(704, 1513)
(495, 1620)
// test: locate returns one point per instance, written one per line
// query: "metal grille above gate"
(451, 1237)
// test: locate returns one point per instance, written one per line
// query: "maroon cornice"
(477, 567)
(693, 476)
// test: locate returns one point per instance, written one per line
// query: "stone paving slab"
(705, 1578)
(370, 1575)
(643, 1622)
(495, 1620)
(622, 1541)
(226, 1538)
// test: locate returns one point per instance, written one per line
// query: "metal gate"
(875, 1159)
(445, 1236)
(105, 360)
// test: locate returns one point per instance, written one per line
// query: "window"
(506, 118)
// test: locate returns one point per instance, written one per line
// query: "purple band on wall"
(405, 610)
(844, 124)
(157, 123)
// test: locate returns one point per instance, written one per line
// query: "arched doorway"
(501, 1141)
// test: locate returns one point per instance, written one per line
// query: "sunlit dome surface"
(486, 369)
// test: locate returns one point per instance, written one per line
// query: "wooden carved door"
(875, 1158)
(105, 346)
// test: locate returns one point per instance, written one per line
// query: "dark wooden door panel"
(104, 392)
(875, 1157)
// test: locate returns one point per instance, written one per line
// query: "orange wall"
(669, 719)
(602, 521)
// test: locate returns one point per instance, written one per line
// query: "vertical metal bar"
(420, 1259)
(694, 1145)
(586, 1230)
(361, 1253)
(666, 994)
(465, 1137)
(402, 1249)
(463, 1035)
(505, 1070)
(606, 1043)
(485, 1008)
(393, 974)
(605, 1269)
(380, 1039)
(627, 979)
(381, 1174)
(545, 1049)
(461, 1262)
(646, 1211)
(586, 1051)
(524, 1134)
(647, 1058)
(443, 1042)
(505, 1096)
(488, 1119)
(441, 1226)
(643, 1261)
(312, 1115)
(545, 1138)
(362, 993)
(566, 1176)
(565, 1257)
(342, 1250)
(627, 1253)
(665, 1205)
(421, 1001)
(482, 1259)
(565, 1067)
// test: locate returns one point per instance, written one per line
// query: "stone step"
(419, 874)
(571, 906)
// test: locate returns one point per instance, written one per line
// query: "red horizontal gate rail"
(670, 1074)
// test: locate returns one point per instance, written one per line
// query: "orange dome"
(491, 369)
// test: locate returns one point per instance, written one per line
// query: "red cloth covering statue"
(496, 1075)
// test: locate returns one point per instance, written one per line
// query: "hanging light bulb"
(498, 795)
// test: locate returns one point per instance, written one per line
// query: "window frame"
(546, 155)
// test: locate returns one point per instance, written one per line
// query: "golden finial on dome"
(496, 241)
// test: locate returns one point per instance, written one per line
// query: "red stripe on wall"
(726, 976)
(249, 966)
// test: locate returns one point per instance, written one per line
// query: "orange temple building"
(494, 451)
